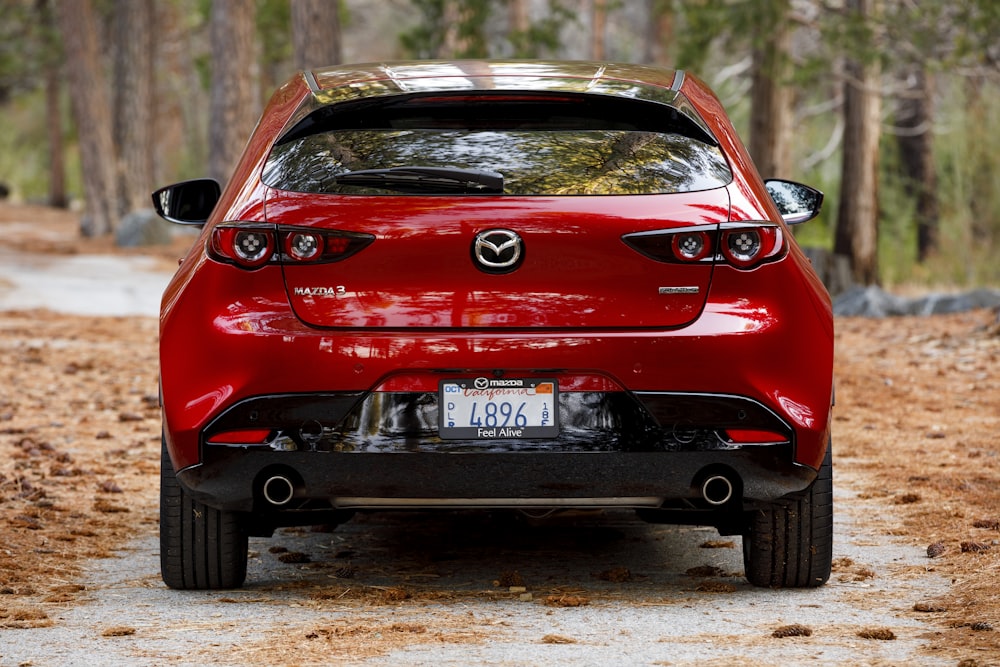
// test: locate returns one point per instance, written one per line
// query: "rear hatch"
(500, 211)
(422, 270)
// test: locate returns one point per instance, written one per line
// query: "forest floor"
(915, 438)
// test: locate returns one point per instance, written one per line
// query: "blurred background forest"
(891, 107)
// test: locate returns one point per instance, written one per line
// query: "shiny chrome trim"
(352, 502)
(679, 290)
(678, 81)
(311, 81)
(510, 240)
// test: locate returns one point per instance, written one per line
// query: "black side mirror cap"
(796, 202)
(188, 202)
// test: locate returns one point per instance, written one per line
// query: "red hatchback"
(493, 284)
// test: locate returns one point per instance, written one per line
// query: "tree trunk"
(771, 99)
(915, 141)
(659, 32)
(53, 112)
(517, 13)
(316, 33)
(92, 112)
(235, 102)
(179, 119)
(599, 25)
(857, 217)
(53, 119)
(133, 107)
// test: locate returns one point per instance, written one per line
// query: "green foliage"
(703, 21)
(542, 38)
(28, 44)
(458, 29)
(274, 30)
(24, 163)
(465, 25)
(978, 43)
(969, 198)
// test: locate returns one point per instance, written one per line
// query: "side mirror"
(188, 202)
(796, 202)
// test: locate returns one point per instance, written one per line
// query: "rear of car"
(505, 285)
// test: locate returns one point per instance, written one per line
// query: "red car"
(491, 284)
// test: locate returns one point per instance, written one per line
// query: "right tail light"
(743, 245)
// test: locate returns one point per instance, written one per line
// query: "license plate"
(498, 409)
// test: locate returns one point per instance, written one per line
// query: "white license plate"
(498, 409)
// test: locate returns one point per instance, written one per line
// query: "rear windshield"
(541, 145)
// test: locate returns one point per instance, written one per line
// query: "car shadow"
(500, 553)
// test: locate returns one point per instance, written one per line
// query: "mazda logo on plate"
(497, 250)
(481, 383)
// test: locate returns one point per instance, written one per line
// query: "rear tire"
(789, 543)
(200, 547)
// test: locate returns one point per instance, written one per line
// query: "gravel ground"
(917, 494)
(473, 588)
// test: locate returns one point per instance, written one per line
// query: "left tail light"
(252, 244)
(744, 245)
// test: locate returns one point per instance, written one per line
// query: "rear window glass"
(565, 145)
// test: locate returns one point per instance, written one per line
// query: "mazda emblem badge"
(497, 251)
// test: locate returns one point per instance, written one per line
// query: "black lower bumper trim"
(232, 478)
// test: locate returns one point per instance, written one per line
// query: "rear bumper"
(233, 478)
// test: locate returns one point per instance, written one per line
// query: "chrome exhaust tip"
(278, 490)
(717, 490)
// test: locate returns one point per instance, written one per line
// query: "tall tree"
(52, 73)
(598, 28)
(915, 141)
(659, 32)
(235, 97)
(771, 98)
(133, 93)
(316, 33)
(856, 234)
(91, 104)
(57, 144)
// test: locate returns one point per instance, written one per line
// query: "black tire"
(789, 544)
(200, 547)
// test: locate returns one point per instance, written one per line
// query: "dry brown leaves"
(918, 409)
(75, 478)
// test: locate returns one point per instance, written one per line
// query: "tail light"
(250, 244)
(748, 246)
(246, 246)
(743, 245)
(692, 246)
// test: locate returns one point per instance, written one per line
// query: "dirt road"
(917, 473)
